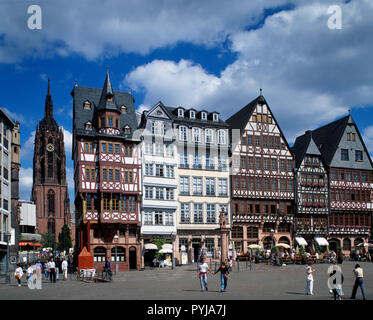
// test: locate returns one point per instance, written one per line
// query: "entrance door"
(196, 244)
(133, 258)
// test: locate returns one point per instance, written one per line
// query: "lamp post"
(173, 234)
(7, 278)
(116, 259)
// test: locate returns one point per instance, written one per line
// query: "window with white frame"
(197, 161)
(221, 137)
(196, 135)
(184, 212)
(204, 116)
(223, 187)
(169, 150)
(215, 117)
(192, 114)
(148, 192)
(169, 218)
(184, 185)
(209, 162)
(159, 149)
(209, 136)
(169, 171)
(197, 185)
(148, 148)
(148, 218)
(183, 133)
(210, 213)
(169, 194)
(158, 217)
(158, 128)
(184, 159)
(209, 242)
(180, 113)
(198, 213)
(222, 162)
(159, 193)
(148, 169)
(159, 171)
(210, 186)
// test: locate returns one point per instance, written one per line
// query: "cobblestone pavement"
(261, 282)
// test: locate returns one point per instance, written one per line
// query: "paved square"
(262, 282)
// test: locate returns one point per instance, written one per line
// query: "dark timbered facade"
(107, 175)
(262, 191)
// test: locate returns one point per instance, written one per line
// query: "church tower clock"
(50, 190)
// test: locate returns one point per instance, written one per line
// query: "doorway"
(196, 245)
(133, 258)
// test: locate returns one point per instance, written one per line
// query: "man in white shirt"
(202, 273)
(29, 273)
(64, 269)
(52, 270)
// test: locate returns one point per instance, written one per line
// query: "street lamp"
(7, 237)
(116, 263)
(173, 234)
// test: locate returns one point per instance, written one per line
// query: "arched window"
(88, 125)
(346, 244)
(120, 253)
(123, 108)
(51, 202)
(99, 254)
(127, 129)
(284, 240)
(87, 105)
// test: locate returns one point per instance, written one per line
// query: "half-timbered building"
(311, 192)
(107, 175)
(351, 182)
(262, 176)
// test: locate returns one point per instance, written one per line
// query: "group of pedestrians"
(51, 271)
(337, 285)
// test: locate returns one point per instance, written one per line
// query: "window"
(183, 159)
(148, 169)
(183, 133)
(104, 174)
(266, 164)
(252, 232)
(87, 105)
(249, 140)
(127, 129)
(274, 164)
(210, 213)
(116, 174)
(208, 136)
(210, 186)
(159, 193)
(148, 192)
(169, 171)
(196, 135)
(148, 148)
(198, 213)
(197, 186)
(159, 170)
(237, 232)
(116, 148)
(221, 137)
(123, 109)
(128, 176)
(180, 113)
(209, 245)
(257, 141)
(184, 213)
(223, 187)
(209, 162)
(169, 219)
(159, 149)
(192, 114)
(243, 162)
(197, 161)
(204, 116)
(344, 155)
(110, 122)
(110, 174)
(110, 147)
(184, 185)
(158, 218)
(215, 117)
(358, 155)
(169, 150)
(88, 125)
(99, 254)
(169, 194)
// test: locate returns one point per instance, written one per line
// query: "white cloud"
(367, 134)
(309, 73)
(68, 141)
(27, 148)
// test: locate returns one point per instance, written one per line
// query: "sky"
(313, 61)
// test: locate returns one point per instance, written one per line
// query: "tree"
(47, 240)
(159, 243)
(64, 239)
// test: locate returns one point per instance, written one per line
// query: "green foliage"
(339, 251)
(64, 239)
(275, 250)
(159, 243)
(302, 251)
(48, 241)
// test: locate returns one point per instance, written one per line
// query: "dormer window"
(88, 125)
(87, 105)
(180, 113)
(192, 115)
(204, 116)
(215, 117)
(123, 109)
(127, 129)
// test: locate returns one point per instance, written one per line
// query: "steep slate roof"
(94, 96)
(327, 138)
(300, 147)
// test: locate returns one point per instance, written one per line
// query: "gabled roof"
(304, 145)
(327, 138)
(240, 119)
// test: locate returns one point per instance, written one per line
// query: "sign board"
(184, 257)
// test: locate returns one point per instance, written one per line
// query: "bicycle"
(80, 275)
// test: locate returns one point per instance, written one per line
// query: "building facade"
(107, 175)
(203, 182)
(159, 178)
(50, 189)
(351, 182)
(9, 177)
(311, 192)
(262, 192)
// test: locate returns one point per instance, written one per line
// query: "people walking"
(224, 275)
(309, 279)
(202, 274)
(359, 281)
(107, 268)
(337, 285)
(18, 273)
(52, 270)
(29, 273)
(46, 270)
(64, 269)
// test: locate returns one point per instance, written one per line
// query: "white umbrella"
(284, 245)
(150, 246)
(366, 244)
(165, 251)
(254, 246)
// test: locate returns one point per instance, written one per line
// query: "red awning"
(25, 243)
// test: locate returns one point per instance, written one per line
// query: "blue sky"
(212, 54)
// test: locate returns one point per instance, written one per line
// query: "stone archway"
(334, 244)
